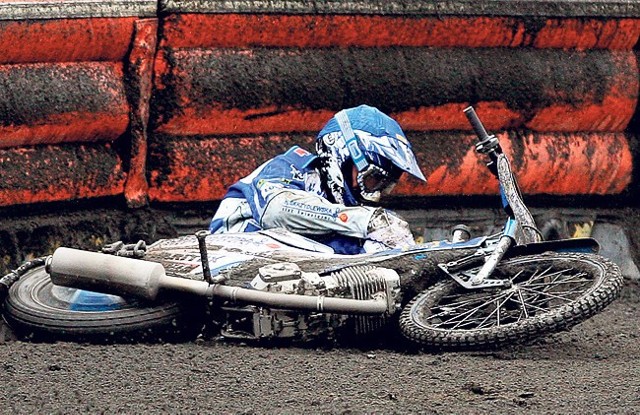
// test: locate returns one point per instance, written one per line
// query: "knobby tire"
(550, 293)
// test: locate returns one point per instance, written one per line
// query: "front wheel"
(549, 293)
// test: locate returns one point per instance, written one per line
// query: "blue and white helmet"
(372, 141)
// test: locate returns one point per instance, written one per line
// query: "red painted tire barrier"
(547, 163)
(65, 40)
(62, 102)
(202, 169)
(230, 30)
(264, 90)
(257, 74)
(59, 173)
(140, 75)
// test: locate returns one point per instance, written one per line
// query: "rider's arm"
(303, 212)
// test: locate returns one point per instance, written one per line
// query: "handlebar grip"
(476, 124)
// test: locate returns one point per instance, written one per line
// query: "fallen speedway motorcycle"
(273, 285)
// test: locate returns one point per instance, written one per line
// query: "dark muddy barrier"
(136, 105)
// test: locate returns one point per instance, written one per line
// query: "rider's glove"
(389, 229)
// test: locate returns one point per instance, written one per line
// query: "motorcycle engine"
(357, 282)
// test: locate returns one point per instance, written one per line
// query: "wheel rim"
(541, 286)
(48, 295)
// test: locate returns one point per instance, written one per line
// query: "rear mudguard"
(583, 245)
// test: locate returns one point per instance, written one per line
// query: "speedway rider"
(361, 154)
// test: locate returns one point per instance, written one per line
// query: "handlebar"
(476, 124)
(488, 143)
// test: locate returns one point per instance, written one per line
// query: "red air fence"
(175, 103)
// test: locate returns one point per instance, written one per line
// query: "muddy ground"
(594, 368)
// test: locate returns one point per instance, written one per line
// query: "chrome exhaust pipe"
(127, 276)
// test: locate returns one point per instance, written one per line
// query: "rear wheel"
(549, 293)
(37, 309)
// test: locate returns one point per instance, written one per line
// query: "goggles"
(375, 181)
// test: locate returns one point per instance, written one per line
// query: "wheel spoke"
(543, 275)
(568, 279)
(447, 309)
(496, 312)
(557, 283)
(531, 304)
(465, 317)
(524, 305)
(517, 275)
(465, 314)
(542, 290)
(459, 304)
(548, 294)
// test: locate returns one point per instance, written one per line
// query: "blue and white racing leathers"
(285, 192)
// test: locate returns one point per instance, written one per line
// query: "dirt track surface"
(594, 368)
